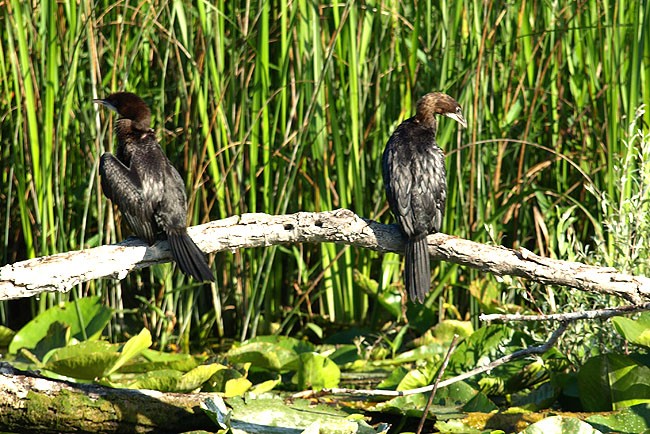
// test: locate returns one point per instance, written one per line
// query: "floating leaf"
(630, 420)
(613, 381)
(418, 377)
(273, 415)
(431, 352)
(132, 348)
(347, 353)
(95, 359)
(195, 378)
(237, 387)
(6, 335)
(394, 378)
(560, 424)
(445, 330)
(297, 345)
(316, 372)
(536, 399)
(58, 335)
(412, 405)
(171, 380)
(265, 386)
(484, 345)
(264, 355)
(480, 403)
(152, 360)
(89, 311)
(448, 402)
(219, 380)
(636, 331)
(165, 380)
(86, 360)
(459, 426)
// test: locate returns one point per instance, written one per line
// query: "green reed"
(280, 107)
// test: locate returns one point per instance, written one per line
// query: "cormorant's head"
(129, 106)
(437, 103)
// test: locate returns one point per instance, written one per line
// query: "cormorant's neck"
(141, 122)
(427, 121)
(125, 128)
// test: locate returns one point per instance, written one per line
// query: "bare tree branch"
(63, 271)
(569, 316)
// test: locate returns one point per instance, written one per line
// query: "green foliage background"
(279, 107)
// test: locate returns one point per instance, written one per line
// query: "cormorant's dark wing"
(430, 193)
(123, 186)
(171, 210)
(398, 160)
(399, 184)
(415, 179)
(166, 189)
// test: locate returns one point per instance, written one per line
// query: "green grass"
(286, 106)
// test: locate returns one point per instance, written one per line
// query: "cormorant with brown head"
(415, 180)
(147, 189)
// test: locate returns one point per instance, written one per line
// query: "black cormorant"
(416, 185)
(147, 189)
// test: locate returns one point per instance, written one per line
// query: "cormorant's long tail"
(189, 257)
(417, 269)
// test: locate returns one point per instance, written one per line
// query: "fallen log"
(32, 403)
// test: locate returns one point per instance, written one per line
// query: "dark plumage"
(416, 184)
(147, 189)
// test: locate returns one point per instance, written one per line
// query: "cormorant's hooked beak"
(105, 104)
(458, 117)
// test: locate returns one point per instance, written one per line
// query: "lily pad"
(86, 317)
(559, 425)
(636, 331)
(613, 381)
(630, 420)
(95, 359)
(316, 372)
(274, 416)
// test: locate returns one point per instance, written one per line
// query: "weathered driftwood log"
(63, 271)
(30, 403)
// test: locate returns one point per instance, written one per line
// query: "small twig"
(571, 316)
(540, 349)
(441, 371)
